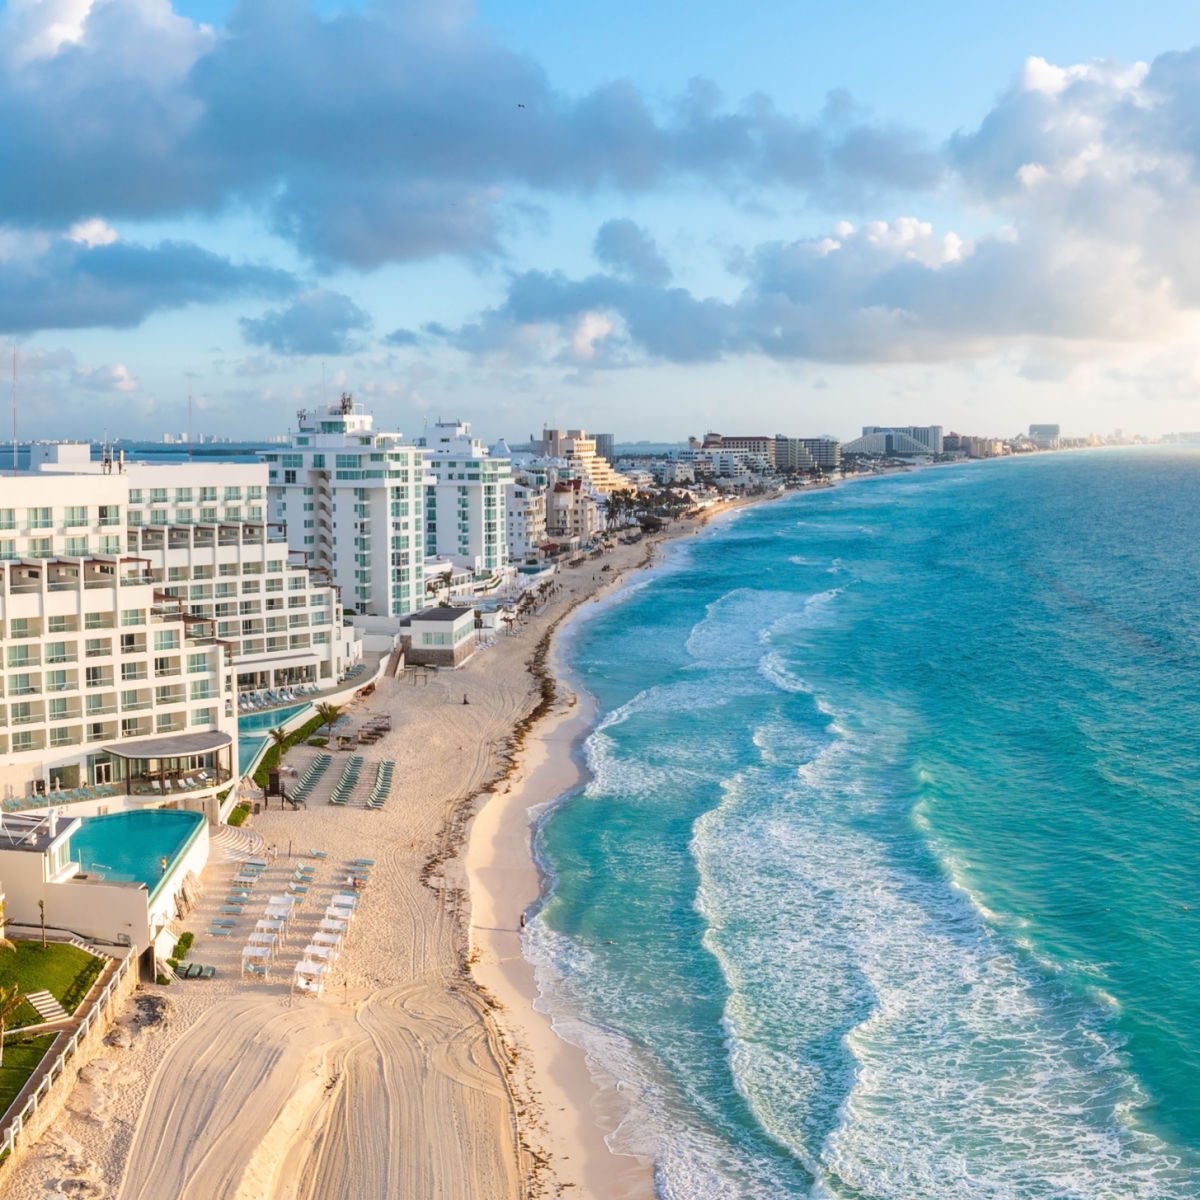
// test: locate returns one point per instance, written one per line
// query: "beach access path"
(405, 1079)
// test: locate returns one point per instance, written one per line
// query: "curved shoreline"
(565, 1104)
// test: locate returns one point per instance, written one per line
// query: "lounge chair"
(207, 972)
(219, 931)
(317, 854)
(362, 862)
(194, 971)
(231, 908)
(255, 969)
(227, 922)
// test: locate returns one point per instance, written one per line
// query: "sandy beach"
(423, 1070)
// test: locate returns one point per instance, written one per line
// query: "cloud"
(114, 378)
(626, 248)
(318, 322)
(70, 284)
(402, 337)
(420, 134)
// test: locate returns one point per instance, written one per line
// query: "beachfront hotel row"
(158, 620)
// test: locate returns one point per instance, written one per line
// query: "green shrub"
(239, 814)
(183, 946)
(270, 760)
(161, 980)
(319, 742)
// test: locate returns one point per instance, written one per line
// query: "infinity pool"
(271, 719)
(130, 846)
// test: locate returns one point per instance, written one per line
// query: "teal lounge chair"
(207, 972)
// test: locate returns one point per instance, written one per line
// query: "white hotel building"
(353, 501)
(136, 601)
(111, 694)
(465, 514)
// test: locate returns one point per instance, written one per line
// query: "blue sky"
(654, 219)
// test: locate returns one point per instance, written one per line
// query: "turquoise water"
(883, 886)
(272, 719)
(248, 751)
(130, 846)
(249, 747)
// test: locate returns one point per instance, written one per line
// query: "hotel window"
(8, 548)
(158, 516)
(135, 495)
(254, 492)
(77, 547)
(58, 709)
(166, 639)
(163, 666)
(158, 495)
(40, 547)
(56, 681)
(131, 616)
(110, 543)
(8, 518)
(204, 716)
(132, 671)
(22, 740)
(197, 662)
(110, 514)
(94, 676)
(40, 518)
(129, 726)
(76, 515)
(233, 493)
(182, 495)
(129, 698)
(208, 515)
(233, 514)
(183, 516)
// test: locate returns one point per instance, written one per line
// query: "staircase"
(231, 843)
(46, 1006)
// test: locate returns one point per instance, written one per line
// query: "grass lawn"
(21, 1057)
(66, 972)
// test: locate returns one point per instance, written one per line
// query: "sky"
(653, 219)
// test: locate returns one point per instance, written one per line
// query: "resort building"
(103, 672)
(890, 443)
(465, 510)
(927, 436)
(578, 454)
(756, 446)
(571, 512)
(525, 527)
(606, 446)
(353, 501)
(440, 637)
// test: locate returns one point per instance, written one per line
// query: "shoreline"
(567, 1104)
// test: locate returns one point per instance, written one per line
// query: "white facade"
(525, 502)
(571, 512)
(94, 653)
(465, 510)
(579, 453)
(353, 501)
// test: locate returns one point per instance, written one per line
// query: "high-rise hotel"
(353, 501)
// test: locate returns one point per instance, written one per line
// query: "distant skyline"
(646, 219)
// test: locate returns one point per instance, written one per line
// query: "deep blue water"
(884, 883)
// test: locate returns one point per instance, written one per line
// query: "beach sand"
(424, 1070)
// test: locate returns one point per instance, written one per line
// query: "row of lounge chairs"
(270, 697)
(307, 781)
(58, 796)
(348, 781)
(194, 971)
(383, 784)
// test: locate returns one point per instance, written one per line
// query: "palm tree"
(10, 998)
(5, 944)
(280, 739)
(329, 713)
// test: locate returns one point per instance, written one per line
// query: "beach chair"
(220, 931)
(235, 909)
(317, 854)
(256, 969)
(227, 922)
(362, 862)
(207, 972)
(194, 971)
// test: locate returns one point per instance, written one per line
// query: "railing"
(14, 1123)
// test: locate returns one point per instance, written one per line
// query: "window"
(76, 547)
(166, 639)
(8, 518)
(183, 495)
(131, 616)
(158, 495)
(197, 662)
(40, 518)
(233, 493)
(94, 676)
(135, 495)
(76, 515)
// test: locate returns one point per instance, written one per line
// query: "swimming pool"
(130, 846)
(248, 751)
(271, 719)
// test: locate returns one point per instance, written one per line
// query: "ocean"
(883, 884)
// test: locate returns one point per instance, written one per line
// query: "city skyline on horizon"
(532, 216)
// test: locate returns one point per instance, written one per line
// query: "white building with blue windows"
(465, 509)
(353, 500)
